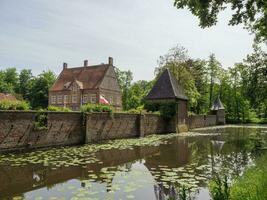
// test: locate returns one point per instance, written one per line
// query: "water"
(155, 167)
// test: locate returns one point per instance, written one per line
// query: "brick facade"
(77, 86)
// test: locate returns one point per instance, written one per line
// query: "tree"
(125, 79)
(25, 83)
(176, 61)
(213, 70)
(39, 91)
(252, 13)
(9, 80)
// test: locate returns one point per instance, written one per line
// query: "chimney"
(110, 61)
(85, 63)
(65, 65)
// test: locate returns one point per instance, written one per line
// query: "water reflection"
(145, 172)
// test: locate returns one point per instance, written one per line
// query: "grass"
(253, 184)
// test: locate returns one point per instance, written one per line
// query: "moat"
(154, 167)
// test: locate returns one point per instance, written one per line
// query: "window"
(111, 100)
(53, 99)
(59, 99)
(85, 98)
(66, 99)
(93, 98)
(74, 87)
(74, 98)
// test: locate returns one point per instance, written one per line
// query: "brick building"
(80, 85)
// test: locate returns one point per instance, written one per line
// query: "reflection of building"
(86, 84)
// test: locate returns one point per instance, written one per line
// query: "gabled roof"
(217, 104)
(8, 97)
(166, 87)
(89, 77)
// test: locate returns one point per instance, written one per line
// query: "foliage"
(39, 91)
(40, 120)
(252, 13)
(219, 188)
(59, 109)
(253, 183)
(167, 109)
(176, 61)
(96, 108)
(124, 79)
(14, 105)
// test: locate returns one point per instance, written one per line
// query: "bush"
(167, 109)
(96, 108)
(219, 188)
(40, 120)
(14, 105)
(58, 109)
(138, 110)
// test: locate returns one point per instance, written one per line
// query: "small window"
(53, 99)
(59, 99)
(93, 98)
(74, 98)
(85, 98)
(74, 88)
(66, 98)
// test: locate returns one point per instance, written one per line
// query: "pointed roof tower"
(217, 104)
(166, 87)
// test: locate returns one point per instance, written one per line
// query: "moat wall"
(18, 130)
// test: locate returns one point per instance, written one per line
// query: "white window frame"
(93, 98)
(74, 98)
(85, 98)
(66, 99)
(59, 99)
(53, 99)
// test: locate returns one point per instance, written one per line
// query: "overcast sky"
(42, 34)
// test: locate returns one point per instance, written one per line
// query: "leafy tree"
(125, 79)
(25, 83)
(252, 13)
(176, 61)
(39, 91)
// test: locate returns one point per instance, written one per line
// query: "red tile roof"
(9, 97)
(88, 77)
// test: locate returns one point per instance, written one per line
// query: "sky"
(42, 34)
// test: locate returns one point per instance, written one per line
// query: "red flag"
(103, 100)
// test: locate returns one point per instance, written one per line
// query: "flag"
(103, 100)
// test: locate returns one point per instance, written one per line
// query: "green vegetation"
(252, 13)
(14, 105)
(167, 109)
(96, 108)
(58, 109)
(250, 186)
(40, 120)
(27, 87)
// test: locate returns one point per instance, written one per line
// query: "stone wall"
(17, 130)
(103, 126)
(198, 121)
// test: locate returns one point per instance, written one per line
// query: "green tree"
(39, 91)
(176, 60)
(25, 83)
(252, 13)
(125, 79)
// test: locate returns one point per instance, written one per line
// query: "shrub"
(40, 120)
(167, 109)
(58, 109)
(14, 105)
(96, 108)
(219, 188)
